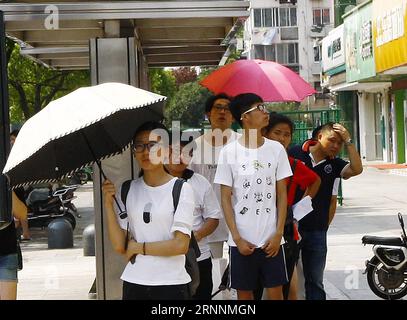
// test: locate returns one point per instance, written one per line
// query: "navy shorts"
(246, 271)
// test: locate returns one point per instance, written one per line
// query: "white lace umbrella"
(87, 125)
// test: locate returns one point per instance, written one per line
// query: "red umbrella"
(270, 80)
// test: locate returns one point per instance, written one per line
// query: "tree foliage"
(187, 105)
(162, 82)
(33, 86)
(186, 97)
(283, 106)
(184, 75)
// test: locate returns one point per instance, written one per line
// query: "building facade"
(289, 32)
(375, 54)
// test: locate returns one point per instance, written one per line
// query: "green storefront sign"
(359, 54)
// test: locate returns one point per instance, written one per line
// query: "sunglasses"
(261, 107)
(140, 147)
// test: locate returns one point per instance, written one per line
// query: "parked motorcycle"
(387, 269)
(45, 206)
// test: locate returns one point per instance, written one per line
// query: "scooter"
(45, 207)
(387, 269)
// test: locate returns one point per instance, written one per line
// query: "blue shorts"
(8, 267)
(246, 271)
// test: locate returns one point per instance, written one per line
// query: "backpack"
(191, 263)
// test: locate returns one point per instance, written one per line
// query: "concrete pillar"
(400, 129)
(88, 240)
(112, 28)
(112, 60)
(384, 101)
(367, 126)
(60, 234)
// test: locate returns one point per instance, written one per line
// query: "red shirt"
(302, 178)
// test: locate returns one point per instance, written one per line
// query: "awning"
(360, 86)
(170, 33)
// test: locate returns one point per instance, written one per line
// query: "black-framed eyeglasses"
(220, 107)
(140, 147)
(261, 107)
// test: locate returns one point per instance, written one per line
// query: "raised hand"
(342, 131)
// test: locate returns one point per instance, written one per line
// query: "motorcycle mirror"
(65, 190)
(401, 219)
(60, 192)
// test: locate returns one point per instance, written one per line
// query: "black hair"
(242, 103)
(277, 118)
(315, 132)
(329, 126)
(150, 126)
(211, 100)
(14, 133)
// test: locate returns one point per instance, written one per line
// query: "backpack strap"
(187, 174)
(123, 195)
(176, 192)
(123, 215)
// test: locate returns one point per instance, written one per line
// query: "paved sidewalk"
(371, 203)
(59, 273)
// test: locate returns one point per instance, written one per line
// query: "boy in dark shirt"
(321, 157)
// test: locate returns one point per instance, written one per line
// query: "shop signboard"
(333, 52)
(389, 33)
(359, 53)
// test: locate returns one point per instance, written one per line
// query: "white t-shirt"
(253, 173)
(206, 206)
(150, 212)
(335, 188)
(204, 161)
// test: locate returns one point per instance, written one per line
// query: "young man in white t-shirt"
(206, 214)
(205, 158)
(252, 172)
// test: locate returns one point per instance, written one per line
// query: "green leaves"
(187, 105)
(162, 82)
(186, 98)
(33, 86)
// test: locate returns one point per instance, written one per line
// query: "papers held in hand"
(302, 208)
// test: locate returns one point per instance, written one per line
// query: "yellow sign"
(389, 33)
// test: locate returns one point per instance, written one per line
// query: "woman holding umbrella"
(160, 236)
